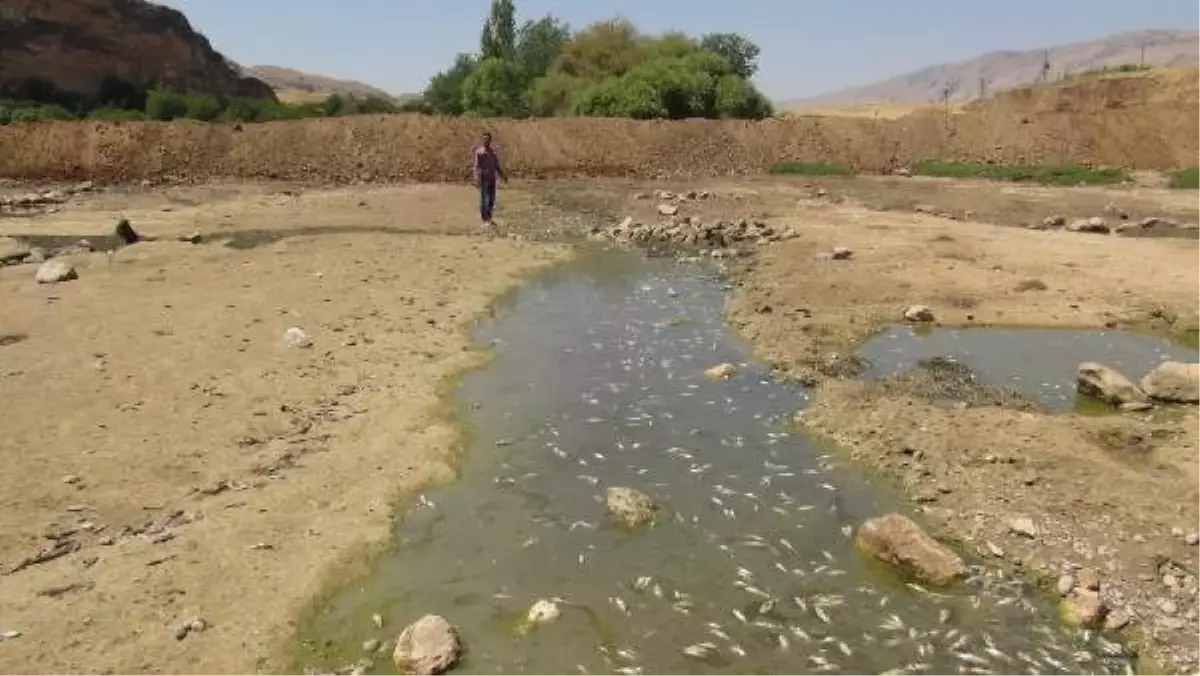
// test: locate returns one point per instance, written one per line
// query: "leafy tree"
(602, 49)
(499, 37)
(741, 53)
(203, 108)
(494, 90)
(445, 91)
(736, 97)
(334, 105)
(165, 105)
(538, 44)
(552, 94)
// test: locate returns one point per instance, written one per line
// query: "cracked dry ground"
(167, 458)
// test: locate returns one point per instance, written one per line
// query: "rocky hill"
(1007, 69)
(296, 85)
(98, 51)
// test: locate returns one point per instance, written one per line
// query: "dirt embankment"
(1160, 134)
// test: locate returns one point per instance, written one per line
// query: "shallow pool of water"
(1039, 363)
(598, 381)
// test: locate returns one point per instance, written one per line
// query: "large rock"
(54, 271)
(428, 646)
(629, 506)
(896, 540)
(918, 313)
(1094, 224)
(1173, 381)
(12, 250)
(1083, 608)
(86, 47)
(1108, 385)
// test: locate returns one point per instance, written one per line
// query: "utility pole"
(1142, 62)
(983, 88)
(1045, 74)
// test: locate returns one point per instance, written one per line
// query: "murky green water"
(598, 382)
(1040, 363)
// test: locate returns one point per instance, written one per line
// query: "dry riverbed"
(179, 482)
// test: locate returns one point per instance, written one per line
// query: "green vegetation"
(609, 69)
(1066, 174)
(813, 169)
(1185, 178)
(164, 105)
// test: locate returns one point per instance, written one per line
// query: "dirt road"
(187, 464)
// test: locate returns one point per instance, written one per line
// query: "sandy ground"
(159, 433)
(160, 384)
(1113, 493)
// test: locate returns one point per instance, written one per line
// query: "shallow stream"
(598, 381)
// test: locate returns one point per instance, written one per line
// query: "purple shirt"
(487, 164)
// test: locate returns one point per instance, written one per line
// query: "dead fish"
(971, 658)
(628, 671)
(787, 545)
(800, 603)
(741, 617)
(643, 582)
(766, 607)
(657, 590)
(580, 524)
(589, 479)
(737, 650)
(799, 633)
(820, 613)
(944, 616)
(783, 642)
(700, 650)
(619, 603)
(719, 633)
(892, 623)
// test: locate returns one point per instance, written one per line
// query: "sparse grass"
(1031, 285)
(813, 169)
(1067, 174)
(1185, 178)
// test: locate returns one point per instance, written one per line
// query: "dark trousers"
(487, 198)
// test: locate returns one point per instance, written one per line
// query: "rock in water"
(543, 612)
(54, 271)
(1173, 381)
(896, 540)
(428, 646)
(1083, 608)
(125, 232)
(721, 371)
(918, 313)
(1108, 385)
(630, 507)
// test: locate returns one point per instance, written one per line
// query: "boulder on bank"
(54, 271)
(721, 371)
(1083, 608)
(1174, 382)
(630, 507)
(12, 250)
(1110, 386)
(898, 541)
(428, 646)
(918, 313)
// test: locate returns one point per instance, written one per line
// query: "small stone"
(1170, 581)
(296, 337)
(1176, 531)
(995, 550)
(1083, 608)
(668, 209)
(1054, 221)
(1065, 584)
(193, 238)
(1023, 526)
(841, 253)
(1168, 606)
(190, 626)
(428, 646)
(105, 541)
(125, 232)
(1089, 579)
(721, 371)
(70, 479)
(918, 313)
(1116, 620)
(629, 506)
(377, 620)
(543, 612)
(54, 271)
(1192, 539)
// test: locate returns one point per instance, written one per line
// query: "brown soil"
(1151, 132)
(159, 433)
(1104, 492)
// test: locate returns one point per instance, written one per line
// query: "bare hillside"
(1007, 69)
(291, 84)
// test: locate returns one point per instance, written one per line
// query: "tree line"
(608, 69)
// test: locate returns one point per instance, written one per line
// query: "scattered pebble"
(295, 337)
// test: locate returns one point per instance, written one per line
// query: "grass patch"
(1066, 174)
(813, 169)
(1185, 178)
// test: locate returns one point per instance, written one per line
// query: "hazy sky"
(809, 47)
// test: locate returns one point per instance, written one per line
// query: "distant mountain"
(295, 85)
(1008, 69)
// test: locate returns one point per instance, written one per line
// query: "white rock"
(543, 612)
(428, 646)
(1108, 385)
(630, 506)
(1173, 381)
(721, 371)
(1023, 525)
(12, 250)
(296, 337)
(54, 271)
(668, 209)
(841, 253)
(918, 313)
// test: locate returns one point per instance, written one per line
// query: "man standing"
(487, 170)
